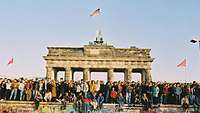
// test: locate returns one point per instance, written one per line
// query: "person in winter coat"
(177, 92)
(185, 103)
(196, 104)
(100, 100)
(53, 90)
(37, 99)
(113, 95)
(120, 101)
(146, 102)
(155, 91)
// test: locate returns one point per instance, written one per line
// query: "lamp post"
(195, 40)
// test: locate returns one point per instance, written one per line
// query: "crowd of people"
(93, 94)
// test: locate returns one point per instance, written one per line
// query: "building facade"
(98, 57)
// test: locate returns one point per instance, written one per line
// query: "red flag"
(96, 12)
(182, 64)
(11, 61)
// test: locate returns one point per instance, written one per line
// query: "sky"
(27, 27)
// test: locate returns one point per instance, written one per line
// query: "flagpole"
(98, 24)
(194, 41)
(186, 64)
(183, 64)
(96, 13)
(185, 74)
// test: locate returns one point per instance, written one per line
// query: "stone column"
(73, 75)
(50, 73)
(86, 74)
(55, 74)
(128, 75)
(110, 74)
(143, 75)
(68, 73)
(148, 75)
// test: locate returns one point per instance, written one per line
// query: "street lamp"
(195, 40)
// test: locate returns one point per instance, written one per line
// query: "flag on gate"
(11, 61)
(182, 64)
(97, 12)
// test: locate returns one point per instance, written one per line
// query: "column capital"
(130, 69)
(86, 68)
(111, 69)
(67, 68)
(47, 67)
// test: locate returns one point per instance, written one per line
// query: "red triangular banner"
(11, 61)
(182, 64)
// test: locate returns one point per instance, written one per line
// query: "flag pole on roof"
(95, 13)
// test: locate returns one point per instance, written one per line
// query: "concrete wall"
(28, 107)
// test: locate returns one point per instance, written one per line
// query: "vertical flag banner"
(11, 61)
(182, 64)
(97, 12)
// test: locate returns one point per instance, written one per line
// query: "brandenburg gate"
(98, 56)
